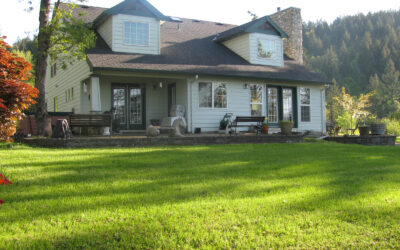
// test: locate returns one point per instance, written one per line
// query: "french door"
(282, 103)
(128, 101)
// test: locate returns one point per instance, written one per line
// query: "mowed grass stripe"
(310, 195)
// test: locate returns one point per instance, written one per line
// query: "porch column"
(95, 100)
(189, 106)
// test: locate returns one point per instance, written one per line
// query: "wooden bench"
(91, 120)
(259, 120)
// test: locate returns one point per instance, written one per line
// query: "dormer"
(133, 26)
(258, 42)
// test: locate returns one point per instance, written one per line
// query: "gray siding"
(240, 45)
(277, 57)
(239, 104)
(106, 31)
(317, 111)
(71, 77)
(246, 46)
(118, 44)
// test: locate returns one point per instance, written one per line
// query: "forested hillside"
(354, 48)
(361, 53)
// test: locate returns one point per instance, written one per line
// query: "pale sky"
(15, 22)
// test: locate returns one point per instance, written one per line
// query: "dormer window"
(136, 33)
(265, 48)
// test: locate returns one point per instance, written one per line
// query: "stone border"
(132, 141)
(382, 140)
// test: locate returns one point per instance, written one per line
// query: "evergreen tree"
(362, 53)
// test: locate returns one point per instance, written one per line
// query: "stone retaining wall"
(99, 142)
(385, 140)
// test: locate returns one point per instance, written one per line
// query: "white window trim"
(277, 104)
(212, 96)
(306, 105)
(262, 97)
(135, 45)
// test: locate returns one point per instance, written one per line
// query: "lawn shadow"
(144, 178)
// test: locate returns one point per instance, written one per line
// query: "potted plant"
(265, 127)
(363, 129)
(286, 127)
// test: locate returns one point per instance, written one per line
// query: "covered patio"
(135, 101)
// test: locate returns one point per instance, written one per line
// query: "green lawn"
(310, 195)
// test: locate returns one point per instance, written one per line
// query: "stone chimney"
(289, 20)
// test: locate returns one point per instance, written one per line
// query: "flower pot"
(265, 129)
(286, 128)
(378, 128)
(364, 130)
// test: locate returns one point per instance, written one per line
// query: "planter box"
(378, 128)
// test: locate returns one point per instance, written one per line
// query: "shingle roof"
(187, 47)
(87, 13)
(247, 27)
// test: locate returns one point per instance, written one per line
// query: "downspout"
(190, 101)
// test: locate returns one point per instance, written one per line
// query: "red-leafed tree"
(5, 181)
(15, 94)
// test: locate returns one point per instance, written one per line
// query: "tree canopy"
(362, 53)
(15, 94)
(63, 38)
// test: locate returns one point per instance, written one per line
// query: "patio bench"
(91, 120)
(248, 119)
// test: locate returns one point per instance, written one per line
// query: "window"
(256, 99)
(55, 100)
(205, 95)
(265, 48)
(53, 70)
(220, 95)
(69, 94)
(136, 33)
(212, 95)
(305, 104)
(273, 105)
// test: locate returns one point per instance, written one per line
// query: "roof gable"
(131, 7)
(263, 25)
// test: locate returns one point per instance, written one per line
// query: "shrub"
(392, 126)
(343, 121)
(15, 95)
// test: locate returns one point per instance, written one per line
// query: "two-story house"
(144, 62)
